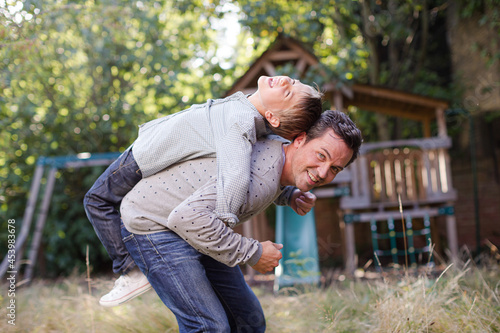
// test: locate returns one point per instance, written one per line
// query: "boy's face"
(280, 92)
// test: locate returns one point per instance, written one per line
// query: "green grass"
(460, 300)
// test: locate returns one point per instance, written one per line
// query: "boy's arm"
(234, 154)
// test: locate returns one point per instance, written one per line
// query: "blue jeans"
(101, 203)
(204, 294)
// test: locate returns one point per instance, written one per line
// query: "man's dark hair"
(342, 125)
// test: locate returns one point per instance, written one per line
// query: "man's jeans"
(101, 203)
(204, 294)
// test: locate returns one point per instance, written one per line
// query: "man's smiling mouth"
(312, 177)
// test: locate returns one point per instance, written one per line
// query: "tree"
(79, 77)
(397, 44)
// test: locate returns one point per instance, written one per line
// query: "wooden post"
(337, 100)
(451, 232)
(427, 128)
(427, 169)
(350, 246)
(448, 170)
(300, 67)
(441, 122)
(40, 223)
(26, 223)
(271, 71)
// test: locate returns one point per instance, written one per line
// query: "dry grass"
(465, 300)
(66, 306)
(460, 300)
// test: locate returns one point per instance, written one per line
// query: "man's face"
(280, 92)
(315, 163)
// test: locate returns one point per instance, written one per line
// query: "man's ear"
(272, 119)
(299, 140)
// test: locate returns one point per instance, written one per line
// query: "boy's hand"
(302, 202)
(270, 257)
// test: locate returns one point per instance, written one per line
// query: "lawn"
(461, 299)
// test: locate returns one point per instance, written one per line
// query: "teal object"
(300, 263)
(409, 233)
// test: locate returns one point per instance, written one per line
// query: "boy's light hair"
(301, 117)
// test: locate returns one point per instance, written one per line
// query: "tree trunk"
(374, 72)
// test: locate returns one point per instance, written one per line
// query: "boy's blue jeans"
(204, 294)
(102, 201)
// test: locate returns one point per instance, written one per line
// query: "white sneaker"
(126, 287)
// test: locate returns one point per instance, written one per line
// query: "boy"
(226, 128)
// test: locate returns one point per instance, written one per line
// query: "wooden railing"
(417, 171)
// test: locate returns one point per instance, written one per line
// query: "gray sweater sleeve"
(285, 196)
(196, 221)
(234, 145)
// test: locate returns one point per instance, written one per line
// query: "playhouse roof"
(371, 98)
(283, 51)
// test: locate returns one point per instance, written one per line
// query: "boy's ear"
(272, 119)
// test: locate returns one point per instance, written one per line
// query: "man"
(226, 128)
(189, 255)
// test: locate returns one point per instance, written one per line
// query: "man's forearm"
(197, 223)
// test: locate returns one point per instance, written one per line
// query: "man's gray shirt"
(183, 197)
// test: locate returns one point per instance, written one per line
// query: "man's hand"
(270, 257)
(302, 202)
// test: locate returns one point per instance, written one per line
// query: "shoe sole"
(124, 299)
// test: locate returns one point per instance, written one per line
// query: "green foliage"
(487, 14)
(487, 9)
(79, 77)
(399, 45)
(330, 29)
